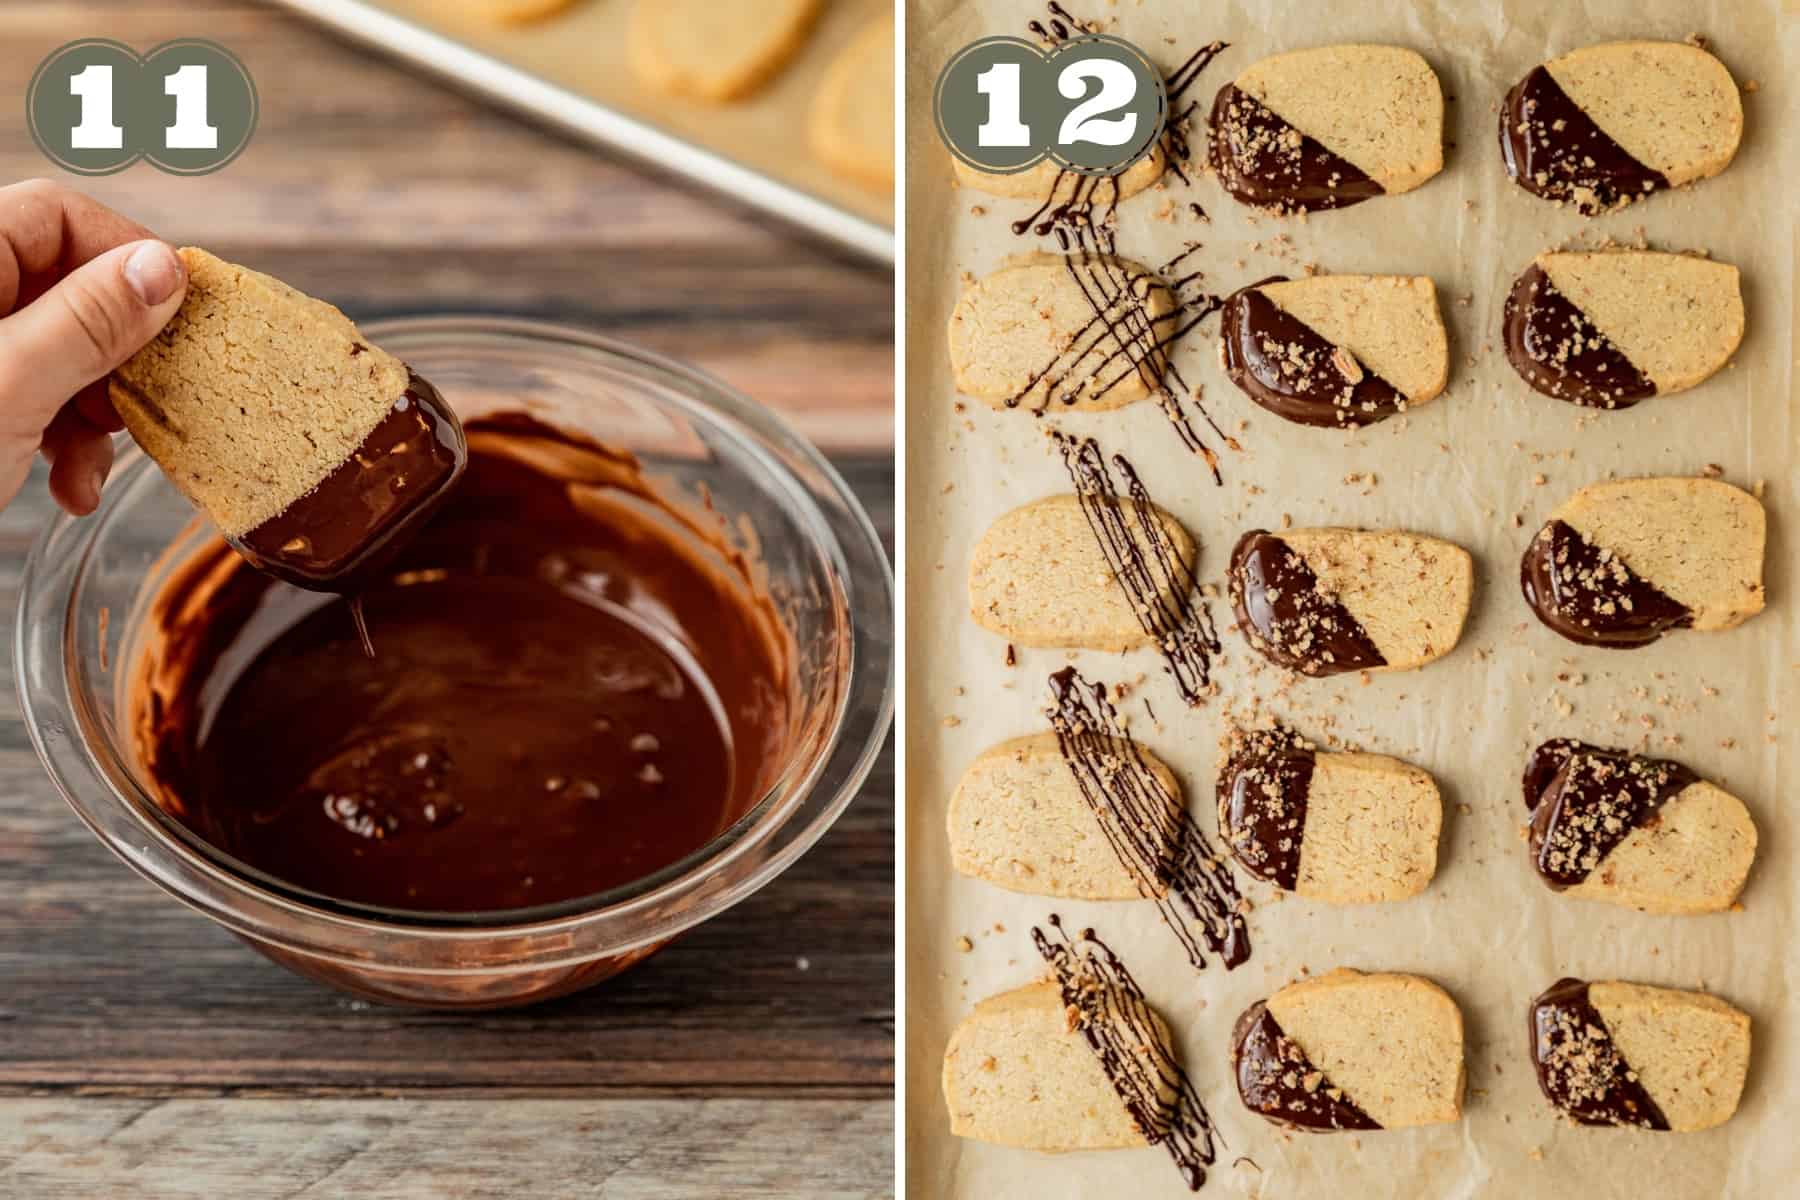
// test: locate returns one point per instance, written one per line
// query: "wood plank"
(445, 1149)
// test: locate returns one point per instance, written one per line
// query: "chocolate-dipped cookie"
(1606, 329)
(1644, 833)
(1345, 828)
(1621, 563)
(1625, 1054)
(1336, 350)
(1606, 125)
(1329, 127)
(1348, 1051)
(1326, 601)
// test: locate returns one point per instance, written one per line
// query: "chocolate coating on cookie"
(1579, 1068)
(1262, 802)
(1277, 1081)
(1557, 350)
(1590, 596)
(1553, 149)
(1286, 366)
(1287, 618)
(1266, 163)
(1586, 799)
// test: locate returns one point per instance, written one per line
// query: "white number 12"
(191, 130)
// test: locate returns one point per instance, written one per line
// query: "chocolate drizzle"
(1590, 596)
(1285, 615)
(1553, 149)
(1147, 826)
(1579, 1068)
(1266, 163)
(1121, 1029)
(1284, 365)
(1277, 1081)
(1157, 580)
(1557, 350)
(1586, 799)
(1262, 802)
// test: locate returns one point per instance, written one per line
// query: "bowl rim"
(616, 921)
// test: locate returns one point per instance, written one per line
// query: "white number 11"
(191, 131)
(94, 85)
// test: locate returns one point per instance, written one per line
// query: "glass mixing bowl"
(88, 584)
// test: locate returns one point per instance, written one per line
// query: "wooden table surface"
(145, 1052)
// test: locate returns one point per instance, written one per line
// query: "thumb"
(94, 319)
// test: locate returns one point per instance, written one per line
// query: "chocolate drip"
(1579, 1067)
(1121, 1029)
(1284, 365)
(1286, 616)
(1553, 149)
(1266, 163)
(1590, 596)
(1592, 799)
(1156, 579)
(1147, 826)
(1277, 1081)
(1262, 802)
(1557, 350)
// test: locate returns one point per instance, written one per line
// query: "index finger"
(47, 230)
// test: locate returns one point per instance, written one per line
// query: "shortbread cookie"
(852, 123)
(1040, 578)
(1051, 185)
(310, 448)
(710, 51)
(1606, 125)
(1645, 833)
(1080, 332)
(1336, 350)
(1327, 128)
(1352, 1051)
(1326, 601)
(1019, 819)
(1020, 1072)
(511, 12)
(1343, 828)
(1623, 562)
(1609, 328)
(1611, 1053)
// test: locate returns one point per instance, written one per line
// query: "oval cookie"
(1340, 827)
(1610, 1053)
(1352, 1051)
(1609, 328)
(852, 121)
(1336, 350)
(710, 51)
(1078, 332)
(1019, 819)
(1623, 562)
(1606, 125)
(1327, 128)
(1644, 833)
(1326, 601)
(1049, 184)
(1038, 577)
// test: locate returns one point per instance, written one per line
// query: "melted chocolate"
(1262, 802)
(1146, 825)
(355, 518)
(1277, 1081)
(1579, 1068)
(1559, 352)
(1287, 618)
(1157, 580)
(574, 688)
(1287, 367)
(1121, 1029)
(1266, 163)
(1590, 801)
(1589, 595)
(1553, 149)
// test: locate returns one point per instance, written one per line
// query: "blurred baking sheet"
(570, 70)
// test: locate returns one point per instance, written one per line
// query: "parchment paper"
(1462, 468)
(583, 49)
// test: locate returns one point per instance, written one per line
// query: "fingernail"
(96, 484)
(154, 272)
